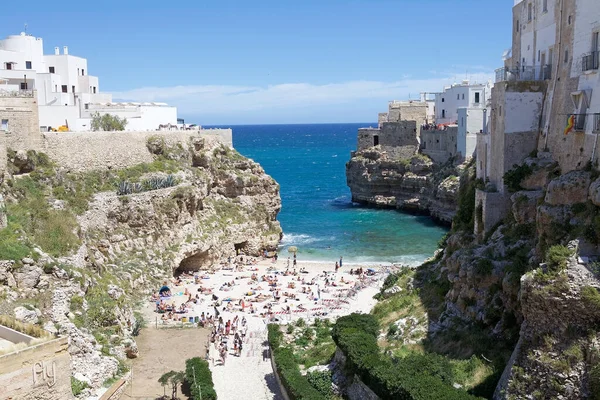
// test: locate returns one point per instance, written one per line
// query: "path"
(249, 376)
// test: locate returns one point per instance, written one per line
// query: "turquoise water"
(308, 161)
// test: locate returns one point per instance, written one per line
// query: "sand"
(251, 375)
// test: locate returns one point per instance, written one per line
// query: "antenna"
(25, 27)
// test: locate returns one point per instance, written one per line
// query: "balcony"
(537, 73)
(16, 92)
(590, 61)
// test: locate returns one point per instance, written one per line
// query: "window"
(376, 140)
(463, 96)
(64, 89)
(462, 121)
(518, 23)
(476, 97)
(544, 5)
(23, 85)
(443, 113)
(595, 41)
(458, 97)
(8, 65)
(51, 69)
(569, 20)
(94, 89)
(566, 56)
(529, 12)
(442, 99)
(82, 72)
(4, 125)
(539, 53)
(27, 64)
(55, 88)
(87, 106)
(73, 88)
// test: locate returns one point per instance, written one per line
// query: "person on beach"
(337, 266)
(288, 263)
(340, 261)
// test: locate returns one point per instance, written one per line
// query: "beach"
(317, 292)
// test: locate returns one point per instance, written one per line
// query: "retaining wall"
(41, 372)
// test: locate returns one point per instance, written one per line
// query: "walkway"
(249, 376)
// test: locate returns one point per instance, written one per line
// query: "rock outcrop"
(379, 176)
(120, 232)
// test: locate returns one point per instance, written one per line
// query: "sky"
(273, 61)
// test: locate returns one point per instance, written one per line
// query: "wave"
(292, 239)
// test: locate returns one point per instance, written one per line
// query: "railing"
(596, 118)
(16, 93)
(537, 73)
(590, 61)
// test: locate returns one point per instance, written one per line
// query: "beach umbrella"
(292, 249)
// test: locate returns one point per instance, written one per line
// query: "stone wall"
(81, 151)
(440, 145)
(403, 133)
(494, 207)
(41, 372)
(21, 111)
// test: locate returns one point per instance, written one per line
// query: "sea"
(317, 214)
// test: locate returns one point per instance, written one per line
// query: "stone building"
(550, 77)
(440, 144)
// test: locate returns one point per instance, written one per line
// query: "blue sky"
(273, 61)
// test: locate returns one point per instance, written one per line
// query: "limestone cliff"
(387, 177)
(81, 247)
(520, 286)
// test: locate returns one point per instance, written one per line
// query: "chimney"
(56, 51)
(65, 50)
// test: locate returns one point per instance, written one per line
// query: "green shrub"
(415, 377)
(595, 382)
(516, 175)
(321, 380)
(591, 297)
(199, 378)
(557, 257)
(77, 386)
(484, 266)
(296, 385)
(464, 220)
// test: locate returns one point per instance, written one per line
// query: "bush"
(296, 385)
(77, 386)
(416, 377)
(464, 218)
(557, 257)
(591, 297)
(199, 378)
(108, 122)
(514, 176)
(484, 266)
(321, 380)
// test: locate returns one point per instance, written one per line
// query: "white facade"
(457, 96)
(471, 121)
(65, 89)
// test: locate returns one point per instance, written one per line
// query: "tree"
(173, 378)
(108, 122)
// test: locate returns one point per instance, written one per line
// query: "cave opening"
(240, 247)
(193, 263)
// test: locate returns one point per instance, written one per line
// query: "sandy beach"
(316, 292)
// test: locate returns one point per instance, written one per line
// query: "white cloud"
(306, 102)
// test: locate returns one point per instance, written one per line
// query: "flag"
(570, 124)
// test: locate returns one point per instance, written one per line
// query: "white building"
(67, 94)
(463, 95)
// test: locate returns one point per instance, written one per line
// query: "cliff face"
(524, 287)
(82, 247)
(382, 176)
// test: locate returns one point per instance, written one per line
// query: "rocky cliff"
(80, 248)
(385, 177)
(522, 288)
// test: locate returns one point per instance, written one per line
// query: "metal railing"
(590, 61)
(537, 73)
(596, 118)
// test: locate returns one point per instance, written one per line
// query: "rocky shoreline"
(378, 177)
